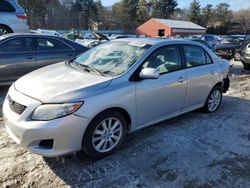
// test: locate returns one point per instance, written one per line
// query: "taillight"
(23, 17)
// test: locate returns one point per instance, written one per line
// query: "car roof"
(155, 41)
(28, 34)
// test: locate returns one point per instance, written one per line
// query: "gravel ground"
(194, 150)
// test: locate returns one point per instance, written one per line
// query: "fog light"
(46, 144)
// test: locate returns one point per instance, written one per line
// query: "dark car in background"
(230, 47)
(210, 39)
(23, 53)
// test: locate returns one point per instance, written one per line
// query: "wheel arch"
(218, 84)
(124, 112)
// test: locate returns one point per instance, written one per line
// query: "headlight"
(51, 111)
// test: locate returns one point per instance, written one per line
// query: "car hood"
(226, 46)
(60, 83)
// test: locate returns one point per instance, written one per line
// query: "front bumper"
(65, 133)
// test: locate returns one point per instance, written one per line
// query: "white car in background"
(12, 18)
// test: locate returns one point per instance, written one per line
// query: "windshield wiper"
(88, 67)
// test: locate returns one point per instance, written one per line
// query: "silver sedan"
(91, 102)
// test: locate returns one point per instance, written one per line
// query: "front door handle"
(181, 80)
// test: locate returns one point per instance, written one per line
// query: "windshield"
(112, 58)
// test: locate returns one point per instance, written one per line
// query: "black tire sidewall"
(87, 145)
(206, 109)
(6, 28)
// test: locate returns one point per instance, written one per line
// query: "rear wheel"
(4, 30)
(214, 100)
(105, 134)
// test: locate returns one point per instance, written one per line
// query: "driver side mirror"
(149, 73)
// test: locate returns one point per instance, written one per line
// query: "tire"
(213, 100)
(97, 141)
(4, 30)
(237, 56)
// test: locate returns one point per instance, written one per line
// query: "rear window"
(49, 44)
(5, 6)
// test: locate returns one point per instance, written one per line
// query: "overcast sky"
(234, 4)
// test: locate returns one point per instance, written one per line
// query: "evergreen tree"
(195, 12)
(142, 12)
(207, 15)
(164, 9)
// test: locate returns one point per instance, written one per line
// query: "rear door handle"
(181, 80)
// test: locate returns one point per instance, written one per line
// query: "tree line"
(127, 15)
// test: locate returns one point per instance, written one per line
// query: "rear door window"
(194, 55)
(5, 6)
(24, 44)
(49, 44)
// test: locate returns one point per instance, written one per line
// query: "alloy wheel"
(107, 134)
(3, 31)
(214, 100)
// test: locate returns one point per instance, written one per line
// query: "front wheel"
(104, 134)
(214, 100)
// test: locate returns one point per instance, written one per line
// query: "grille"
(16, 107)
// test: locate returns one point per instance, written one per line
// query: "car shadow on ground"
(164, 154)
